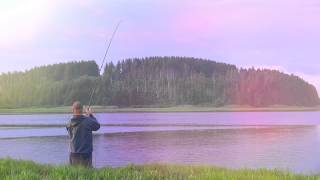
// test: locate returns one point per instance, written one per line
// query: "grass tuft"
(25, 170)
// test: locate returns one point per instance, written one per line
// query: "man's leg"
(75, 159)
(86, 160)
(81, 159)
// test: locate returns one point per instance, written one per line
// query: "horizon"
(272, 35)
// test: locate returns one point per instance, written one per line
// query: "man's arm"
(68, 127)
(93, 123)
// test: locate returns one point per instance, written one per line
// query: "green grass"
(184, 108)
(25, 170)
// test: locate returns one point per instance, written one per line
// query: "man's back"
(80, 129)
(80, 132)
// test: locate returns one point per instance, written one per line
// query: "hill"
(155, 80)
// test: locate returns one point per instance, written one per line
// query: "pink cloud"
(213, 19)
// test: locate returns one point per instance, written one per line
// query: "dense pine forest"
(154, 81)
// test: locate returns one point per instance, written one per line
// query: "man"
(80, 129)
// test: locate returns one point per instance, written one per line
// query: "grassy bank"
(12, 169)
(186, 108)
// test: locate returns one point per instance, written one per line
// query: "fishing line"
(94, 88)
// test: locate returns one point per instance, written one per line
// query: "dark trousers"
(81, 159)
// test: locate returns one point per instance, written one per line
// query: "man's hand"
(88, 110)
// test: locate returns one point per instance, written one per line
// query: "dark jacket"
(80, 132)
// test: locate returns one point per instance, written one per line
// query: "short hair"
(77, 106)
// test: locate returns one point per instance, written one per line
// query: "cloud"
(21, 21)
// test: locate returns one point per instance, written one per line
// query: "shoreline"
(173, 109)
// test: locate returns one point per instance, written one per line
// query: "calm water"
(285, 140)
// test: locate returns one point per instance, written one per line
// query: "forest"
(154, 81)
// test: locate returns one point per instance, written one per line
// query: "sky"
(275, 34)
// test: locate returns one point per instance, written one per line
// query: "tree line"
(154, 81)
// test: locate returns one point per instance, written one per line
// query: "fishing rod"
(94, 88)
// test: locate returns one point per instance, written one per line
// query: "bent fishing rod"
(94, 88)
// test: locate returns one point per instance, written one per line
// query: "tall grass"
(25, 170)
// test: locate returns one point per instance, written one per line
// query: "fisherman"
(80, 129)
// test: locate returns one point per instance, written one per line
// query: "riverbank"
(185, 108)
(14, 169)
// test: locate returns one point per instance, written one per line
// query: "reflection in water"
(10, 132)
(194, 118)
(286, 147)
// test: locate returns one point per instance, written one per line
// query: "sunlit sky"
(277, 34)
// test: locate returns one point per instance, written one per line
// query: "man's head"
(77, 108)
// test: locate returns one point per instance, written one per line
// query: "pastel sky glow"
(278, 34)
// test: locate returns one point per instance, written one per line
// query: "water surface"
(284, 140)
